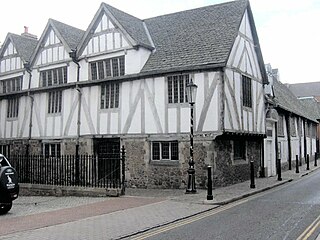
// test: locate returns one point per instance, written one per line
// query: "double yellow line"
(310, 230)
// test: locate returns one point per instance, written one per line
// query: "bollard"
(297, 164)
(308, 168)
(279, 169)
(252, 185)
(209, 195)
(315, 159)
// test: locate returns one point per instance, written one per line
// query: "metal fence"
(105, 171)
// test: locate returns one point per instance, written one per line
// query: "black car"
(9, 186)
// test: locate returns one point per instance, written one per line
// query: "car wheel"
(5, 207)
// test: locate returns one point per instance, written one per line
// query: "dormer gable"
(16, 52)
(57, 41)
(112, 30)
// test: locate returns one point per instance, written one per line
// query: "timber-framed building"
(122, 82)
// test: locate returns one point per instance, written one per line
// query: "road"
(289, 212)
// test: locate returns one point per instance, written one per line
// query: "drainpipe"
(29, 71)
(73, 56)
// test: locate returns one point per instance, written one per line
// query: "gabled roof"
(132, 27)
(305, 89)
(287, 101)
(24, 45)
(69, 36)
(197, 37)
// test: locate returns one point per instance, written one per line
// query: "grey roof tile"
(71, 35)
(289, 102)
(202, 36)
(305, 89)
(134, 26)
(24, 45)
(312, 106)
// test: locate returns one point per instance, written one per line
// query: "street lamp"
(191, 90)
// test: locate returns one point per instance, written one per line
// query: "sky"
(288, 30)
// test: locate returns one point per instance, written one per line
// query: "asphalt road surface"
(289, 212)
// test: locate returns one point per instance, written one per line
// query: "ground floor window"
(165, 150)
(51, 149)
(239, 150)
(5, 150)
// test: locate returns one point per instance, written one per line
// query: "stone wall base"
(58, 191)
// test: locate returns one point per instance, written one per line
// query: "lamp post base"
(191, 188)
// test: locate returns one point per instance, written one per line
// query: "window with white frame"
(51, 149)
(54, 101)
(111, 67)
(164, 151)
(13, 107)
(246, 92)
(177, 88)
(55, 76)
(11, 85)
(109, 95)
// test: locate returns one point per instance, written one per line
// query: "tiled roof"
(197, 37)
(312, 106)
(286, 100)
(71, 35)
(24, 45)
(134, 26)
(305, 89)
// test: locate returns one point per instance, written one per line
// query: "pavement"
(123, 217)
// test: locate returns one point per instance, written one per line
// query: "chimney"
(27, 34)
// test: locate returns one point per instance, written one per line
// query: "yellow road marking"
(310, 230)
(187, 221)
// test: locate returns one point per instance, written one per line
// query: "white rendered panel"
(172, 120)
(102, 42)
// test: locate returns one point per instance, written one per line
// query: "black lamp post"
(191, 90)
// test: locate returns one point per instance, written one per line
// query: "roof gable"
(130, 27)
(23, 46)
(69, 36)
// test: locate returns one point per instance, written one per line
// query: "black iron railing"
(105, 171)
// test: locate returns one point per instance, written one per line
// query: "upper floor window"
(246, 92)
(53, 76)
(13, 107)
(11, 85)
(165, 150)
(177, 88)
(111, 67)
(55, 102)
(109, 95)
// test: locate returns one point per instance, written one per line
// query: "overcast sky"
(288, 30)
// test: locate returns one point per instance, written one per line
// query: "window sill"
(237, 162)
(164, 162)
